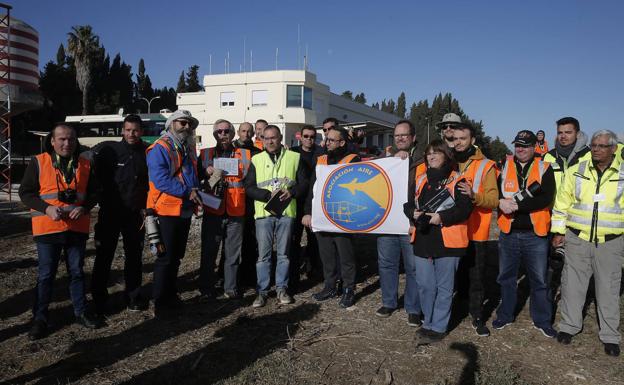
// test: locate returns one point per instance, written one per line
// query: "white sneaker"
(260, 301)
(283, 298)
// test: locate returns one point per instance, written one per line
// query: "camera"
(68, 196)
(528, 192)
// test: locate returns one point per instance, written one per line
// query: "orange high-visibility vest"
(51, 180)
(322, 160)
(509, 186)
(541, 149)
(163, 203)
(481, 218)
(234, 201)
(258, 144)
(420, 169)
(454, 236)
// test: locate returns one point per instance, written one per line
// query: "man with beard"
(480, 186)
(173, 195)
(334, 248)
(309, 152)
(121, 170)
(446, 126)
(226, 222)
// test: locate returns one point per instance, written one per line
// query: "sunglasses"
(226, 131)
(183, 123)
(307, 136)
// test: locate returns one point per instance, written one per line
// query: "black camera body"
(529, 192)
(68, 196)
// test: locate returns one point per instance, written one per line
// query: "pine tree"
(360, 98)
(401, 106)
(61, 57)
(192, 79)
(143, 82)
(347, 94)
(375, 105)
(181, 87)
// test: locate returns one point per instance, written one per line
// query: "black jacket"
(429, 241)
(121, 170)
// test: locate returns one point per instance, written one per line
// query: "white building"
(288, 99)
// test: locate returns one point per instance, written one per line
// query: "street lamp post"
(149, 102)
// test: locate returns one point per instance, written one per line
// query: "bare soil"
(229, 342)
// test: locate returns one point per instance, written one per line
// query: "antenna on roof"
(210, 64)
(298, 46)
(244, 53)
(276, 54)
(228, 62)
(305, 59)
(250, 60)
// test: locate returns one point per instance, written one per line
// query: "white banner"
(363, 197)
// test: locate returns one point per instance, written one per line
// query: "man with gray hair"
(221, 170)
(587, 220)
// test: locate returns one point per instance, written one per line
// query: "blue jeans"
(389, 250)
(531, 249)
(436, 279)
(49, 256)
(266, 229)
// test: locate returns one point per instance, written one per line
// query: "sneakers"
(547, 331)
(384, 312)
(348, 298)
(260, 300)
(283, 298)
(414, 320)
(499, 325)
(88, 321)
(232, 294)
(564, 338)
(324, 294)
(479, 326)
(612, 349)
(38, 330)
(428, 336)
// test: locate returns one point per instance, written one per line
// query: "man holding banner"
(334, 248)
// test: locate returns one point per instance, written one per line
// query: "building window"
(259, 98)
(227, 99)
(299, 96)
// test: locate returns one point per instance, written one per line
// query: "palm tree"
(82, 44)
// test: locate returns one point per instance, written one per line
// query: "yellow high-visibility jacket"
(589, 204)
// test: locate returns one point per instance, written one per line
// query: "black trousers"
(338, 258)
(111, 223)
(475, 260)
(249, 252)
(174, 233)
(299, 254)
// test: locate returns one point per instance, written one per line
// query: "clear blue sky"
(512, 64)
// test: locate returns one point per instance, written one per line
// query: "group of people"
(570, 198)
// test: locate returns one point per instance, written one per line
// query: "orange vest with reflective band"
(510, 185)
(258, 144)
(541, 149)
(481, 218)
(163, 203)
(454, 236)
(234, 202)
(420, 169)
(322, 160)
(50, 182)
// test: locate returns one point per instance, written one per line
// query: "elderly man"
(391, 247)
(281, 172)
(588, 217)
(446, 126)
(527, 188)
(226, 222)
(173, 196)
(335, 249)
(58, 188)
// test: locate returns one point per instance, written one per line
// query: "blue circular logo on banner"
(357, 197)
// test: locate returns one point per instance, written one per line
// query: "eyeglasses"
(330, 140)
(307, 136)
(225, 131)
(183, 123)
(447, 126)
(401, 136)
(600, 146)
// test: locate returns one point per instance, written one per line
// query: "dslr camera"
(68, 196)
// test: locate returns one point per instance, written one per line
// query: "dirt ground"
(228, 342)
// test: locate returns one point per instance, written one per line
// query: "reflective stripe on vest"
(49, 183)
(270, 175)
(454, 236)
(480, 218)
(509, 186)
(234, 199)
